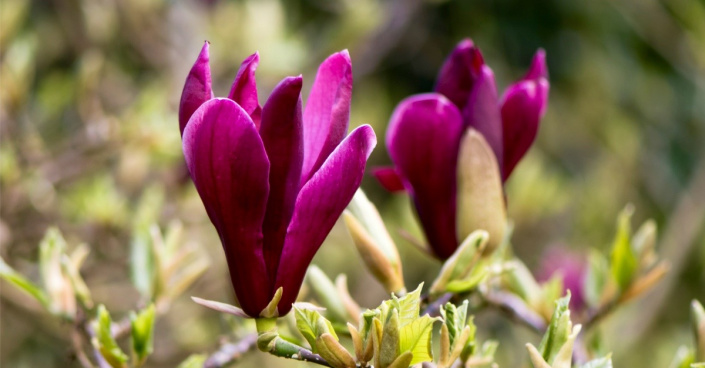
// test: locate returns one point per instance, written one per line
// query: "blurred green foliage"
(88, 103)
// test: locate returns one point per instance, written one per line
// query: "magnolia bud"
(480, 198)
(372, 240)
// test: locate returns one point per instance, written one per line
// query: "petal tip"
(538, 68)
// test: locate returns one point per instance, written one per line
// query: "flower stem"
(270, 342)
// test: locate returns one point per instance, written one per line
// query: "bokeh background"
(89, 93)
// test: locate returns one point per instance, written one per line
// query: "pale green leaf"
(558, 330)
(311, 325)
(416, 338)
(15, 278)
(104, 341)
(408, 306)
(142, 330)
(624, 261)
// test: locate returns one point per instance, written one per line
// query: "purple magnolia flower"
(571, 268)
(425, 131)
(273, 179)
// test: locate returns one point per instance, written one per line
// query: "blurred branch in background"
(678, 243)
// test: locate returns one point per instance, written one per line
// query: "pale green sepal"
(271, 310)
(462, 262)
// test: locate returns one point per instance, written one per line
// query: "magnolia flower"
(425, 133)
(273, 179)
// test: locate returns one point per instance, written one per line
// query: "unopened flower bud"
(480, 193)
(372, 240)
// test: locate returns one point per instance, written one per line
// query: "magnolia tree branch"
(231, 352)
(285, 349)
(515, 308)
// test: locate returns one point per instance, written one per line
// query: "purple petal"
(229, 166)
(522, 107)
(327, 111)
(197, 89)
(389, 178)
(423, 139)
(538, 68)
(282, 134)
(244, 88)
(319, 204)
(459, 72)
(482, 112)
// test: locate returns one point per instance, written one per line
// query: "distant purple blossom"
(273, 179)
(425, 131)
(571, 267)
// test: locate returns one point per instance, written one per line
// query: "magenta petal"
(538, 68)
(319, 204)
(459, 72)
(423, 139)
(327, 111)
(523, 106)
(282, 134)
(389, 178)
(244, 88)
(197, 89)
(229, 166)
(482, 112)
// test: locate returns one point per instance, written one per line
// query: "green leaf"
(477, 276)
(389, 346)
(15, 278)
(521, 282)
(104, 341)
(558, 330)
(697, 313)
(366, 322)
(142, 264)
(416, 338)
(142, 334)
(311, 325)
(462, 262)
(596, 278)
(454, 318)
(408, 306)
(624, 260)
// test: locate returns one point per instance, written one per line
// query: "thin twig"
(77, 342)
(515, 308)
(433, 309)
(231, 352)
